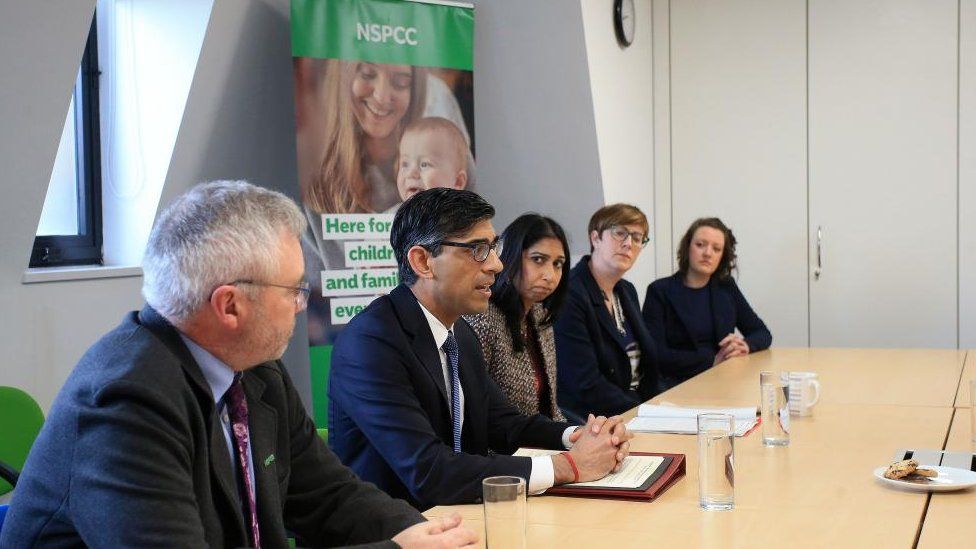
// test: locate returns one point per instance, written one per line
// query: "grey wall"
(239, 121)
(46, 327)
(536, 136)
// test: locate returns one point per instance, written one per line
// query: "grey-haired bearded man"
(181, 427)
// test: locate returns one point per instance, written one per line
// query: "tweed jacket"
(513, 371)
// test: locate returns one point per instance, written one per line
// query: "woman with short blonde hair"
(606, 357)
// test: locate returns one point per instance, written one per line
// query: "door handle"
(819, 268)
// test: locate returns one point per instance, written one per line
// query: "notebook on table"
(654, 418)
(644, 476)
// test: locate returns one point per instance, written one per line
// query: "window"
(70, 229)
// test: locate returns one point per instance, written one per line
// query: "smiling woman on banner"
(350, 116)
(361, 111)
(693, 314)
(606, 355)
(516, 331)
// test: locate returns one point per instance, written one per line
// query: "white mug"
(804, 392)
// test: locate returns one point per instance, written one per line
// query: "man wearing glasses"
(412, 407)
(181, 427)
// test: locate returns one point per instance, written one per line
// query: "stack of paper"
(653, 418)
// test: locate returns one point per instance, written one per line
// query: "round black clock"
(624, 21)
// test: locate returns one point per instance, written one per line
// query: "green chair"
(323, 434)
(20, 421)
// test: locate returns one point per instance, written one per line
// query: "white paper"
(653, 418)
(634, 472)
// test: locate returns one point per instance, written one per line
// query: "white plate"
(949, 479)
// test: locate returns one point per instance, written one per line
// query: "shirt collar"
(218, 375)
(437, 328)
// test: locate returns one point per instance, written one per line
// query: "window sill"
(84, 272)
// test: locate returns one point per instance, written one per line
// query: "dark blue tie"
(450, 348)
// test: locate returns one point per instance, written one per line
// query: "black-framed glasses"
(301, 292)
(479, 250)
(620, 234)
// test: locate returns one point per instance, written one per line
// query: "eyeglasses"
(479, 250)
(301, 292)
(620, 234)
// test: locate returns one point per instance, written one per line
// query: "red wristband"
(572, 464)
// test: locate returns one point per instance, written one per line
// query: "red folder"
(662, 479)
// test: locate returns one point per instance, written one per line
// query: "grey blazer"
(513, 371)
(133, 455)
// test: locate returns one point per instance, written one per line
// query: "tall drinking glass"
(774, 389)
(505, 512)
(716, 473)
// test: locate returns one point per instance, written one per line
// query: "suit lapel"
(223, 472)
(422, 340)
(633, 315)
(681, 304)
(599, 304)
(263, 428)
(723, 314)
(221, 465)
(474, 412)
(547, 348)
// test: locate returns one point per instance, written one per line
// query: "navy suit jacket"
(133, 455)
(389, 409)
(666, 313)
(592, 366)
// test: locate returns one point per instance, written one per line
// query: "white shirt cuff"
(569, 430)
(542, 476)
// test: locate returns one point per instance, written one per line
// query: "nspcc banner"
(384, 109)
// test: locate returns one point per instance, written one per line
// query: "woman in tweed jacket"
(516, 331)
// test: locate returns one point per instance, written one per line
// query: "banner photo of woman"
(384, 109)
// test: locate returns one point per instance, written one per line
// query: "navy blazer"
(593, 369)
(665, 312)
(133, 455)
(389, 414)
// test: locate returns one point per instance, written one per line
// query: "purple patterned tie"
(237, 408)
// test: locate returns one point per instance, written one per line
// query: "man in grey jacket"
(181, 427)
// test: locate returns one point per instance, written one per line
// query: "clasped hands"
(599, 447)
(732, 345)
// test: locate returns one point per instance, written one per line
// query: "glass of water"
(774, 389)
(505, 512)
(716, 473)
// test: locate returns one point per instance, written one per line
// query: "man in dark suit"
(412, 408)
(181, 427)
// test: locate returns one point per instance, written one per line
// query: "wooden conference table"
(817, 492)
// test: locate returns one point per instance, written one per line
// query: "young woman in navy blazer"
(693, 314)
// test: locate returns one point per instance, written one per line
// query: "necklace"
(618, 312)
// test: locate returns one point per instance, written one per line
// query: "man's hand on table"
(439, 533)
(599, 447)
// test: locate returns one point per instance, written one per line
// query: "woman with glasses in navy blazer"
(693, 314)
(606, 356)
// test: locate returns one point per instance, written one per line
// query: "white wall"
(878, 80)
(621, 80)
(46, 327)
(536, 139)
(738, 144)
(967, 174)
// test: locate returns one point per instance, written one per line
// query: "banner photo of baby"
(384, 108)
